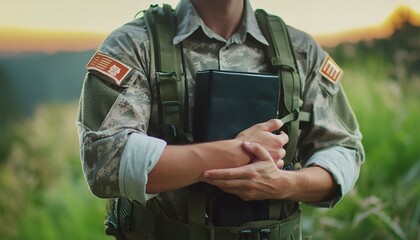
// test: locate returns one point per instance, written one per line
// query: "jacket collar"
(188, 21)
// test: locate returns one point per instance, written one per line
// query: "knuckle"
(282, 153)
(251, 175)
(226, 184)
(286, 138)
(275, 123)
(278, 142)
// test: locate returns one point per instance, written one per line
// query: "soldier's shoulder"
(124, 50)
(131, 33)
(301, 40)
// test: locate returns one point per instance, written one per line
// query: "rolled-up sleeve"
(344, 166)
(140, 155)
(332, 139)
(114, 110)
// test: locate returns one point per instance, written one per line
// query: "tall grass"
(43, 192)
(44, 195)
(385, 203)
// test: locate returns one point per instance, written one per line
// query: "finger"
(279, 141)
(243, 172)
(276, 155)
(231, 185)
(280, 164)
(284, 138)
(257, 150)
(282, 153)
(272, 125)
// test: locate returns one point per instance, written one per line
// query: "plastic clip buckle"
(265, 234)
(245, 234)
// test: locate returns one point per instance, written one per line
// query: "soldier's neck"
(221, 16)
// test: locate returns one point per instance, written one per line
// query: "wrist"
(288, 185)
(223, 154)
(310, 184)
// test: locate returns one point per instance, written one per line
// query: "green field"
(44, 195)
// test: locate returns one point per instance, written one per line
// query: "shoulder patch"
(330, 70)
(109, 66)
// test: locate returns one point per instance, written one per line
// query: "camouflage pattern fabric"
(109, 113)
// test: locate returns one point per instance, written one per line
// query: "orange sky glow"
(365, 33)
(41, 35)
(29, 40)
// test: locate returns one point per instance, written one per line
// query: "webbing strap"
(260, 230)
(274, 209)
(296, 116)
(169, 72)
(196, 208)
(282, 58)
(171, 88)
(165, 32)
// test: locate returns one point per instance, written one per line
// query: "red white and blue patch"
(331, 71)
(109, 66)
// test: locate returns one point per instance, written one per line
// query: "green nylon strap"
(296, 116)
(170, 77)
(197, 208)
(279, 230)
(170, 53)
(169, 72)
(282, 58)
(274, 209)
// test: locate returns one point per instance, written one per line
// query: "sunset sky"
(102, 16)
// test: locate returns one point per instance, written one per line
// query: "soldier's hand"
(262, 134)
(261, 179)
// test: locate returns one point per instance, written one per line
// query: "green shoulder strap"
(282, 58)
(170, 76)
(171, 84)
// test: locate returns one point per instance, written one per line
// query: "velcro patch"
(111, 67)
(331, 71)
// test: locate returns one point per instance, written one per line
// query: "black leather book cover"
(228, 102)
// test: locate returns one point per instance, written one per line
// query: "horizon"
(15, 39)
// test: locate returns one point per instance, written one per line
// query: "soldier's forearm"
(180, 166)
(312, 184)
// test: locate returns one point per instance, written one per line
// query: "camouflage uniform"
(112, 115)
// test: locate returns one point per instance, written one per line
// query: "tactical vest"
(130, 220)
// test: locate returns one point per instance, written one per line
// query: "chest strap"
(170, 75)
(280, 53)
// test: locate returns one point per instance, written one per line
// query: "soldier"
(123, 158)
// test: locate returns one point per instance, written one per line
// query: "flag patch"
(112, 68)
(330, 70)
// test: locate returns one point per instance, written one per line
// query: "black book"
(228, 102)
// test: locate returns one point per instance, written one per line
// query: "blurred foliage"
(44, 194)
(43, 191)
(385, 203)
(9, 112)
(382, 81)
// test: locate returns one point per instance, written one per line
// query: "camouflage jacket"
(119, 103)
